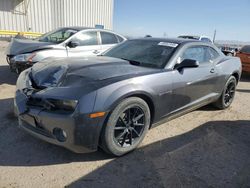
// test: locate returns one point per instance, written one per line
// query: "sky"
(170, 18)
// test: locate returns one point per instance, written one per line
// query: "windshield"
(144, 52)
(57, 36)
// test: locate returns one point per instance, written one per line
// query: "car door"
(108, 40)
(195, 85)
(87, 44)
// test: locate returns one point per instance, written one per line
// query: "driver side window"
(86, 38)
(194, 53)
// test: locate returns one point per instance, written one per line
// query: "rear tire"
(227, 95)
(126, 127)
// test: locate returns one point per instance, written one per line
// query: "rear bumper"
(81, 132)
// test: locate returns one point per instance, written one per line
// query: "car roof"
(170, 40)
(194, 36)
(190, 36)
(79, 28)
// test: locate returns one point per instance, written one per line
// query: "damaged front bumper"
(72, 133)
(18, 66)
(74, 130)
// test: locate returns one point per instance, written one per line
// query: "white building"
(45, 15)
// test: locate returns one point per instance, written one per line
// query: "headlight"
(24, 57)
(55, 104)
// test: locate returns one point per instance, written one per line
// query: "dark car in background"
(244, 55)
(229, 51)
(61, 42)
(110, 101)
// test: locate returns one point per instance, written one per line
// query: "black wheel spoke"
(129, 115)
(120, 128)
(122, 120)
(138, 124)
(121, 135)
(135, 131)
(138, 117)
(124, 138)
(135, 113)
(130, 138)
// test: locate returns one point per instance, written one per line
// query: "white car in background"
(201, 38)
(62, 42)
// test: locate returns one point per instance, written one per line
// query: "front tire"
(228, 94)
(126, 127)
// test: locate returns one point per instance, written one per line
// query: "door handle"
(96, 52)
(212, 70)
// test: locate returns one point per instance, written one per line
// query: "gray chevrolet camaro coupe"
(110, 101)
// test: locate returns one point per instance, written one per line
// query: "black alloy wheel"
(129, 126)
(229, 93)
(126, 127)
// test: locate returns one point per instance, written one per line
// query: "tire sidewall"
(110, 143)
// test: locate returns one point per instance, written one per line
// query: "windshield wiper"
(132, 62)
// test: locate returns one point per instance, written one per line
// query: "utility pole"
(214, 35)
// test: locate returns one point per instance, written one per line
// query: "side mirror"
(72, 44)
(187, 63)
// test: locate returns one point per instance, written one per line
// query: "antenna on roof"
(214, 35)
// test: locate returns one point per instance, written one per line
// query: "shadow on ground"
(6, 76)
(243, 90)
(217, 154)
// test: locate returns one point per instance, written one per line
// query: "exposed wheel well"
(236, 75)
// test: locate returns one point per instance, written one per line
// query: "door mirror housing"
(72, 44)
(187, 63)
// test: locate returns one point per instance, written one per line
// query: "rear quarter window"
(120, 38)
(108, 38)
(213, 53)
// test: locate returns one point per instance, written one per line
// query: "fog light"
(60, 134)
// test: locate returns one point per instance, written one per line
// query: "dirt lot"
(205, 148)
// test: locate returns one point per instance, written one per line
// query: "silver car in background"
(62, 42)
(195, 37)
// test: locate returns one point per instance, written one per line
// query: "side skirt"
(184, 111)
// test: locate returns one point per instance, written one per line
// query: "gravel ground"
(205, 148)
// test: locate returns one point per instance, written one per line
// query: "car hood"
(88, 71)
(21, 46)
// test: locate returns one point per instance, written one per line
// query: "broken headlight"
(24, 57)
(55, 104)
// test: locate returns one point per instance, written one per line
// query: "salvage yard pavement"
(205, 148)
